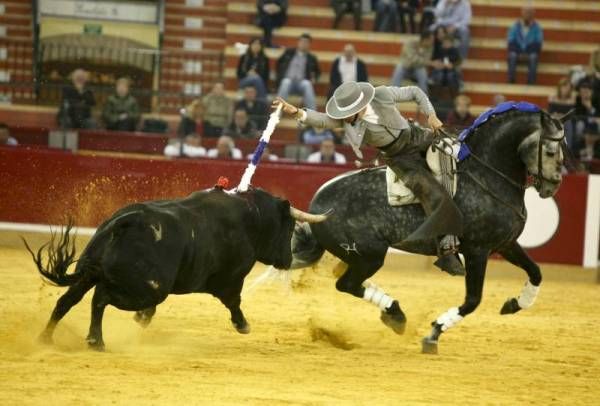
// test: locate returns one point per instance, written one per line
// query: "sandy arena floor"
(309, 344)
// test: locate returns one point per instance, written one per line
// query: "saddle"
(441, 159)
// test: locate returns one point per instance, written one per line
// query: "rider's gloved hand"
(287, 108)
(434, 122)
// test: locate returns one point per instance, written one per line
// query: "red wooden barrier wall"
(44, 185)
(39, 185)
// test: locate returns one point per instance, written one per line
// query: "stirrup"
(451, 263)
(448, 244)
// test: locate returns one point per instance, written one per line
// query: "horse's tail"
(306, 250)
(60, 252)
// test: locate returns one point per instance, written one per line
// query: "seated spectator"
(525, 38)
(584, 105)
(190, 116)
(298, 72)
(5, 138)
(121, 111)
(258, 111)
(327, 154)
(445, 64)
(438, 36)
(266, 155)
(241, 126)
(427, 16)
(594, 70)
(347, 68)
(564, 99)
(191, 147)
(561, 103)
(460, 117)
(311, 135)
(386, 14)
(497, 99)
(455, 17)
(341, 7)
(77, 101)
(271, 14)
(253, 68)
(225, 149)
(414, 60)
(216, 107)
(592, 142)
(408, 8)
(586, 116)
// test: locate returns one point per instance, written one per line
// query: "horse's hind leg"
(516, 255)
(99, 302)
(354, 281)
(69, 299)
(144, 317)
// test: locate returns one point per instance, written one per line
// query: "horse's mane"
(500, 119)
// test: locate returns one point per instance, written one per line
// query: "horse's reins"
(538, 177)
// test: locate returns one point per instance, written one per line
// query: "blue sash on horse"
(464, 151)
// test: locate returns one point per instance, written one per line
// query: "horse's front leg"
(516, 255)
(475, 266)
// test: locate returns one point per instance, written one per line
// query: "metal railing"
(161, 80)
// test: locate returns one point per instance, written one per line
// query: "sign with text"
(101, 10)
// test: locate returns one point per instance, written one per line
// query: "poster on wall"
(137, 12)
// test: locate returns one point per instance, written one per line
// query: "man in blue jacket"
(525, 37)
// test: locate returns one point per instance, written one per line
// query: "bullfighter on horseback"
(369, 116)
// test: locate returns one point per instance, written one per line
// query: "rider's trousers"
(406, 157)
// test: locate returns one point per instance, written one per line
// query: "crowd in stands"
(432, 61)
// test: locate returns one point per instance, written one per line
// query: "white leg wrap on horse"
(377, 296)
(449, 319)
(528, 295)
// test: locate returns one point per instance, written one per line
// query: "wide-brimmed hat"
(348, 99)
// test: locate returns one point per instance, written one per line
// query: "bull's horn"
(309, 218)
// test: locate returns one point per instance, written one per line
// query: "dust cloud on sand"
(309, 344)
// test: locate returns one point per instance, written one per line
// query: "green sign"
(92, 29)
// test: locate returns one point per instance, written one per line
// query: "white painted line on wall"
(592, 223)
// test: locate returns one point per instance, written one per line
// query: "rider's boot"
(448, 259)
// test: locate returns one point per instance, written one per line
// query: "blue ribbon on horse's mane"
(464, 151)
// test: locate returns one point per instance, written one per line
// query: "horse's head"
(542, 153)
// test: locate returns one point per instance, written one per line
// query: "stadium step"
(391, 44)
(491, 27)
(382, 66)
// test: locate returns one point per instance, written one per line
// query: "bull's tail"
(306, 250)
(60, 253)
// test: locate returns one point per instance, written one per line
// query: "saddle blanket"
(441, 159)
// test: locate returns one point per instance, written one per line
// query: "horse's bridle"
(539, 177)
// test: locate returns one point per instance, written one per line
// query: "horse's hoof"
(244, 329)
(45, 339)
(429, 346)
(96, 345)
(396, 322)
(511, 306)
(142, 319)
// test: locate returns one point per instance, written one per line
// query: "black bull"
(205, 243)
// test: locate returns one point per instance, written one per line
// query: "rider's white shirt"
(370, 116)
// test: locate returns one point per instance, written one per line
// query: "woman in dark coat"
(253, 68)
